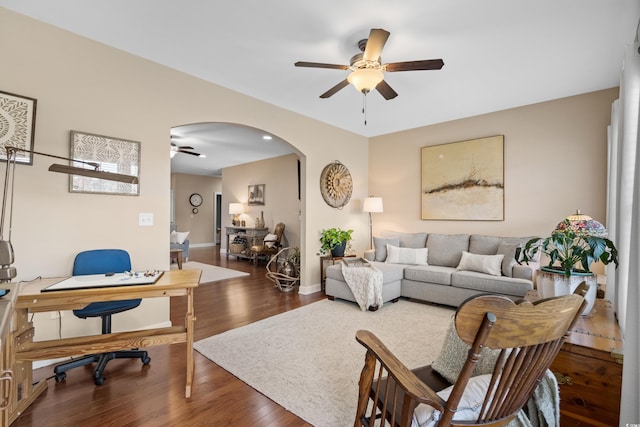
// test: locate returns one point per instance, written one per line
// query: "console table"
(252, 235)
(589, 369)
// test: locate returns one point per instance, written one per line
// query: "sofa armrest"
(370, 255)
(525, 271)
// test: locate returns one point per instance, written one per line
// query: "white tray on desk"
(92, 281)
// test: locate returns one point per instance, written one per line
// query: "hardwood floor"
(134, 395)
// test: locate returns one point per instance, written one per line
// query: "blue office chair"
(101, 261)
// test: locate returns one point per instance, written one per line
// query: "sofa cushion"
(411, 256)
(408, 240)
(494, 284)
(488, 264)
(430, 274)
(508, 250)
(446, 249)
(390, 272)
(484, 245)
(380, 245)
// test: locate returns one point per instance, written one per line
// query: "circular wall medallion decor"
(336, 185)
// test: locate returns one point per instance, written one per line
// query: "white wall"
(87, 86)
(555, 161)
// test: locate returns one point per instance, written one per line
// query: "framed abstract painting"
(17, 126)
(464, 180)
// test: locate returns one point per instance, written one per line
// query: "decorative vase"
(552, 283)
(261, 219)
(338, 251)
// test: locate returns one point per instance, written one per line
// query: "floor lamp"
(372, 205)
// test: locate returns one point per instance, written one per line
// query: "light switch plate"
(145, 219)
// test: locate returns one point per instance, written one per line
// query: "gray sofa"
(453, 267)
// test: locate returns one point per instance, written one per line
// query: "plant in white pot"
(573, 246)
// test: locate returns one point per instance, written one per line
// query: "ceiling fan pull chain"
(364, 106)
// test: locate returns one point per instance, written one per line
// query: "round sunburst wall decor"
(336, 185)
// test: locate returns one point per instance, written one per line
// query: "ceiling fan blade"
(377, 38)
(320, 65)
(186, 147)
(189, 152)
(334, 89)
(386, 91)
(427, 64)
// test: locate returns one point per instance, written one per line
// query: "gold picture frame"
(115, 155)
(17, 126)
(463, 180)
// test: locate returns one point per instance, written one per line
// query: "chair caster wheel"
(98, 380)
(146, 360)
(61, 377)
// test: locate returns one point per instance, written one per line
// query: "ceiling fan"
(185, 149)
(367, 69)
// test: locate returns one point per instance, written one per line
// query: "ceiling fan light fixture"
(365, 79)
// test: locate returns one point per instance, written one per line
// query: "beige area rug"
(210, 273)
(308, 361)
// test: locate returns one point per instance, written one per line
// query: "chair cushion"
(429, 274)
(494, 284)
(468, 408)
(105, 308)
(454, 353)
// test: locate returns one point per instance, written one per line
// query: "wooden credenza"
(589, 370)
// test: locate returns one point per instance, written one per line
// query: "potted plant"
(571, 249)
(334, 240)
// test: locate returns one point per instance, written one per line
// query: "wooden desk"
(23, 350)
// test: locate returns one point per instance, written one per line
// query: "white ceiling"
(498, 54)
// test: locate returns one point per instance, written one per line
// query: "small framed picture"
(17, 126)
(256, 195)
(113, 155)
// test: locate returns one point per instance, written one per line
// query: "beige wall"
(555, 156)
(86, 86)
(201, 225)
(281, 204)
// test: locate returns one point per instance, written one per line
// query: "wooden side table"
(589, 369)
(177, 255)
(333, 260)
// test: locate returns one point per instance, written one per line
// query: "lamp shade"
(372, 204)
(583, 224)
(365, 79)
(235, 208)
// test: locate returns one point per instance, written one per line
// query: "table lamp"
(372, 205)
(236, 210)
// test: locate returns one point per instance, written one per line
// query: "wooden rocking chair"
(528, 337)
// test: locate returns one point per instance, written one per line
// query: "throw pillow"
(380, 245)
(469, 406)
(508, 250)
(173, 237)
(454, 353)
(413, 256)
(407, 240)
(270, 240)
(181, 236)
(488, 264)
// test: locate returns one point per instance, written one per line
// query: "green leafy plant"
(568, 249)
(333, 237)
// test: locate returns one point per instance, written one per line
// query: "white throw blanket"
(365, 283)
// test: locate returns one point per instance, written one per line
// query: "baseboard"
(43, 363)
(309, 289)
(202, 245)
